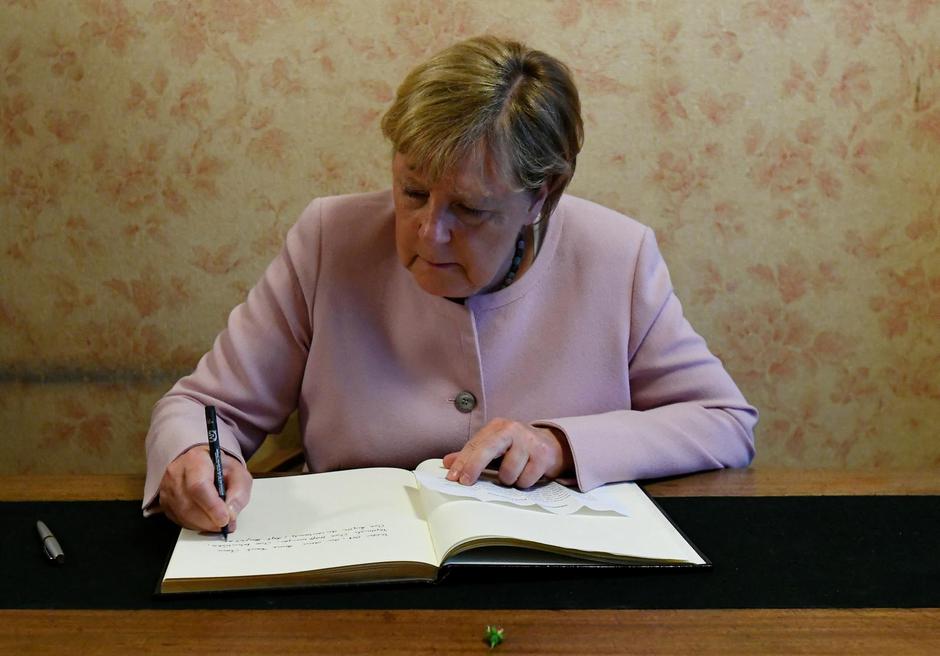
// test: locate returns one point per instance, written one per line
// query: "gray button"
(465, 402)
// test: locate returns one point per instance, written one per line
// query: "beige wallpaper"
(787, 153)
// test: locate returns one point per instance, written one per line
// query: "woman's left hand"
(528, 452)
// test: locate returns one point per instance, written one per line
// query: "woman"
(471, 312)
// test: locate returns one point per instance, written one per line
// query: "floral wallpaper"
(787, 153)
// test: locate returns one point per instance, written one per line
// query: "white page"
(309, 522)
(646, 533)
(548, 495)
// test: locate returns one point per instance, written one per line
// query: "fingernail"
(452, 475)
(232, 513)
(465, 479)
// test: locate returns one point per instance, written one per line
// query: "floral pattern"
(785, 151)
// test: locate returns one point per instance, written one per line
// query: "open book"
(382, 524)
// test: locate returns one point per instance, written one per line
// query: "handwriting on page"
(548, 495)
(309, 539)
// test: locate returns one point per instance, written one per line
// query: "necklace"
(513, 267)
(516, 262)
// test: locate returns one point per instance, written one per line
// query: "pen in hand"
(49, 544)
(215, 452)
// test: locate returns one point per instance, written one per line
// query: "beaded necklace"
(513, 267)
(516, 262)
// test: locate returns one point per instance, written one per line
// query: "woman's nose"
(436, 223)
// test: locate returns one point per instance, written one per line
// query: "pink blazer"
(591, 340)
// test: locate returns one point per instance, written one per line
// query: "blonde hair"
(520, 104)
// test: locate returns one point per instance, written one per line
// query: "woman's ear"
(538, 201)
(540, 195)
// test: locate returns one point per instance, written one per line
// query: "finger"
(493, 464)
(490, 442)
(202, 494)
(530, 475)
(513, 462)
(237, 487)
(185, 514)
(175, 496)
(237, 493)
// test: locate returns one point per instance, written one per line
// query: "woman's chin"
(443, 282)
(437, 288)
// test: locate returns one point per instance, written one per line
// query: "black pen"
(215, 452)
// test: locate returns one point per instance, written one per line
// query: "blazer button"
(465, 402)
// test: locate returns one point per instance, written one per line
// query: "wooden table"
(804, 631)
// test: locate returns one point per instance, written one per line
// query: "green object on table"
(494, 635)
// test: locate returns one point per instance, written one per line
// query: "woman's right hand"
(188, 495)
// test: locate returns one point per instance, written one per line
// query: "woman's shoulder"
(593, 225)
(370, 203)
(348, 216)
(593, 214)
(348, 208)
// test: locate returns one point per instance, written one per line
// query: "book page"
(645, 533)
(548, 495)
(314, 521)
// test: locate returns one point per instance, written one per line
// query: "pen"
(49, 544)
(215, 452)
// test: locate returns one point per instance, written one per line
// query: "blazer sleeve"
(254, 370)
(686, 412)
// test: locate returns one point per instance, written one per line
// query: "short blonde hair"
(518, 103)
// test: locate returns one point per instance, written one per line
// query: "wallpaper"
(786, 152)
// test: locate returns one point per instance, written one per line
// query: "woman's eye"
(415, 193)
(472, 216)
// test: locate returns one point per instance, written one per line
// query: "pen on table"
(49, 544)
(215, 452)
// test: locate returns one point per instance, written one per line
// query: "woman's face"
(457, 236)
